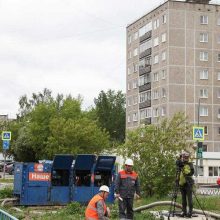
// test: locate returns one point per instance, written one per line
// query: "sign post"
(6, 137)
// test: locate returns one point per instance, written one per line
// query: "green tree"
(47, 126)
(154, 149)
(110, 112)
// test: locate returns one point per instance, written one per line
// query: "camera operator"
(186, 183)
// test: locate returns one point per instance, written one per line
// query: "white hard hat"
(104, 188)
(129, 162)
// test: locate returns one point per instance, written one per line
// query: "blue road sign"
(6, 135)
(6, 144)
(198, 133)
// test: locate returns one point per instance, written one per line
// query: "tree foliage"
(154, 149)
(110, 112)
(48, 126)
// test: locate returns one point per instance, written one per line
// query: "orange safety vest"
(91, 210)
(133, 175)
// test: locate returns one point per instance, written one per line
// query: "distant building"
(173, 64)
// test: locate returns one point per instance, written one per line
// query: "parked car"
(10, 168)
(218, 181)
(2, 164)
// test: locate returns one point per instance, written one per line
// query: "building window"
(148, 113)
(129, 70)
(156, 112)
(146, 28)
(129, 39)
(203, 93)
(129, 118)
(156, 24)
(156, 41)
(156, 59)
(204, 19)
(156, 77)
(136, 35)
(203, 56)
(135, 84)
(135, 116)
(218, 57)
(204, 74)
(203, 37)
(135, 100)
(214, 171)
(163, 93)
(218, 21)
(205, 130)
(129, 54)
(129, 100)
(163, 74)
(146, 45)
(135, 52)
(218, 93)
(218, 130)
(203, 111)
(163, 55)
(142, 114)
(129, 85)
(218, 75)
(135, 66)
(164, 19)
(145, 96)
(204, 147)
(155, 94)
(163, 111)
(164, 36)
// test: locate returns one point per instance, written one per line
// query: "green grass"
(6, 180)
(76, 211)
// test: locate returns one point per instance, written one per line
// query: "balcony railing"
(146, 121)
(145, 87)
(145, 53)
(146, 36)
(143, 70)
(145, 104)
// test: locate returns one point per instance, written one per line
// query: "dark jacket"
(127, 184)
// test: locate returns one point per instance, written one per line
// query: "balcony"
(145, 53)
(146, 121)
(146, 36)
(145, 104)
(143, 70)
(145, 87)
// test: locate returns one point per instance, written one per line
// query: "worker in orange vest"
(97, 209)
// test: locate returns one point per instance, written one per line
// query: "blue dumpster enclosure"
(65, 179)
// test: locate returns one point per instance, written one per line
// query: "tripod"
(174, 195)
(175, 192)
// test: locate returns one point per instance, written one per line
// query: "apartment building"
(173, 64)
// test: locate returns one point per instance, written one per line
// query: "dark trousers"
(186, 192)
(126, 208)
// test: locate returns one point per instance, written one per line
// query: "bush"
(6, 193)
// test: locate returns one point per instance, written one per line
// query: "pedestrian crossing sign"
(6, 135)
(198, 133)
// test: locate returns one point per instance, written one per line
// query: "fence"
(5, 216)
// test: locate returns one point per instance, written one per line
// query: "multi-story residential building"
(173, 64)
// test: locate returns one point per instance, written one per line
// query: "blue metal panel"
(36, 196)
(110, 198)
(84, 162)
(60, 195)
(62, 162)
(82, 194)
(105, 163)
(18, 179)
